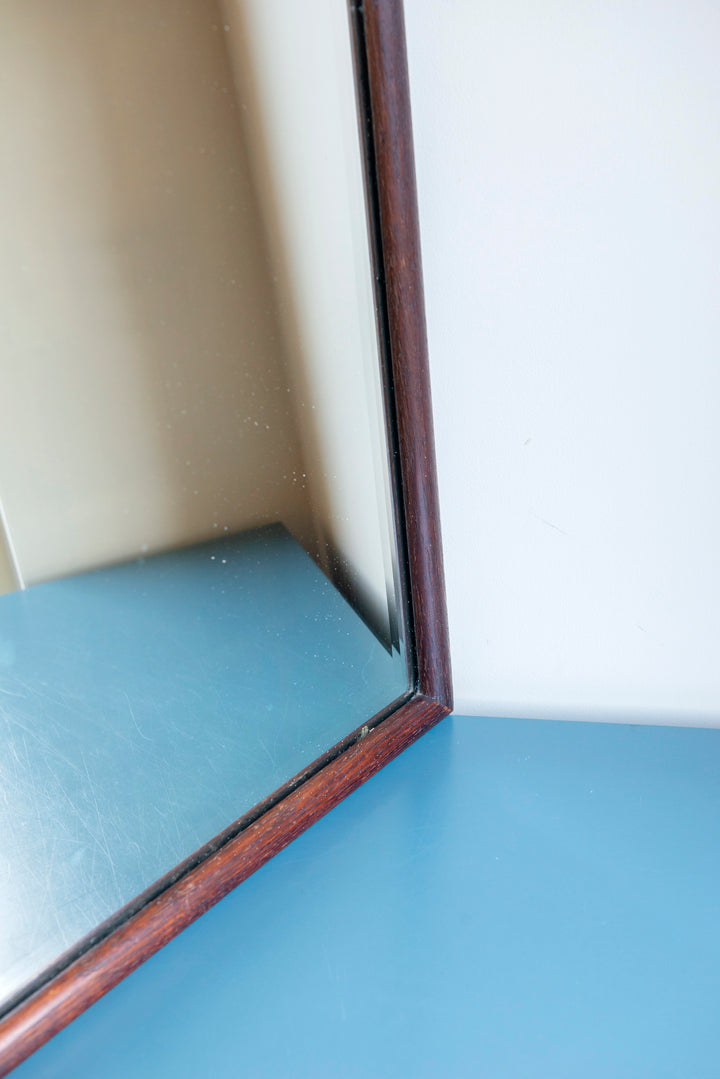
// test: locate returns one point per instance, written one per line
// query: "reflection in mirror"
(197, 556)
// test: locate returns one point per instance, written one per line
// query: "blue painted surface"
(145, 707)
(510, 899)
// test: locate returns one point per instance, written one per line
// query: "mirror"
(221, 600)
(199, 562)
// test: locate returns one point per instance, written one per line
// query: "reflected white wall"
(143, 397)
(294, 73)
(185, 287)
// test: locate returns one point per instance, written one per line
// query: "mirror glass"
(198, 562)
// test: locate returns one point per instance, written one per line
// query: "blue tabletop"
(511, 899)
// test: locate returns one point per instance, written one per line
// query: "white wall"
(568, 161)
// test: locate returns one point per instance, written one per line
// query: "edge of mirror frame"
(167, 908)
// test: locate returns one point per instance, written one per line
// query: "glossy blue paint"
(146, 706)
(511, 899)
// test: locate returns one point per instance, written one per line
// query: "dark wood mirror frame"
(137, 931)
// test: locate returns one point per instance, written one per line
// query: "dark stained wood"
(400, 237)
(172, 904)
(102, 967)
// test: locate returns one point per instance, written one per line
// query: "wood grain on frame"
(203, 883)
(400, 238)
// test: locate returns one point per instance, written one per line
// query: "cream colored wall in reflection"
(294, 73)
(143, 399)
(7, 577)
(185, 287)
(7, 582)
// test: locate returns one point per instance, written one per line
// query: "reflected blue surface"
(145, 707)
(511, 899)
